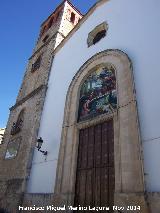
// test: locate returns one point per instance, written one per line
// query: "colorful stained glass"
(98, 94)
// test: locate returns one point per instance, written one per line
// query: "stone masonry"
(15, 171)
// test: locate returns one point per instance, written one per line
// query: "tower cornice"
(59, 6)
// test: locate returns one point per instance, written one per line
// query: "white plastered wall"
(134, 29)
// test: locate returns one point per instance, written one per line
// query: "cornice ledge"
(43, 45)
(30, 95)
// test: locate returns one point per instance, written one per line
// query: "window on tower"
(43, 30)
(50, 22)
(73, 16)
(45, 38)
(58, 14)
(37, 64)
(17, 126)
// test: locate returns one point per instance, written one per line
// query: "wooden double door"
(95, 180)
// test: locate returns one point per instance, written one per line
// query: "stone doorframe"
(129, 177)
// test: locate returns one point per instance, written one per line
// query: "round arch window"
(98, 93)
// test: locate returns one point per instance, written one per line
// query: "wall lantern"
(39, 145)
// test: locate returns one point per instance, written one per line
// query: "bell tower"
(52, 31)
(20, 137)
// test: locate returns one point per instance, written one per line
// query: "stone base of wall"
(11, 195)
(47, 201)
(154, 202)
(131, 202)
(10, 203)
(13, 204)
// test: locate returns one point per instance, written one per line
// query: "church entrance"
(95, 181)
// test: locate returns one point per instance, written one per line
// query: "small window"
(97, 34)
(58, 14)
(72, 17)
(37, 64)
(17, 127)
(45, 38)
(43, 30)
(50, 22)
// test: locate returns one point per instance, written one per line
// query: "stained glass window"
(98, 94)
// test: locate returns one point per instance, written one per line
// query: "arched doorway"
(128, 179)
(95, 178)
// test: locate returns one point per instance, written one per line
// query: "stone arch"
(21, 115)
(129, 180)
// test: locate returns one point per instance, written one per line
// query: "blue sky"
(20, 21)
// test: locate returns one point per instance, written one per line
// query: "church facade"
(84, 130)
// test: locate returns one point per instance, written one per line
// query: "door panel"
(104, 186)
(97, 187)
(91, 147)
(111, 186)
(89, 188)
(95, 180)
(97, 156)
(105, 153)
(84, 149)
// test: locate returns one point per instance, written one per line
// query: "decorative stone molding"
(29, 96)
(129, 177)
(45, 44)
(154, 201)
(94, 121)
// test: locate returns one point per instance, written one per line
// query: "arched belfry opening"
(100, 154)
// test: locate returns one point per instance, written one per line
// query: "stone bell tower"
(20, 137)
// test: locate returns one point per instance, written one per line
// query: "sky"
(20, 22)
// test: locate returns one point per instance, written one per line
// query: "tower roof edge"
(78, 11)
(63, 2)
